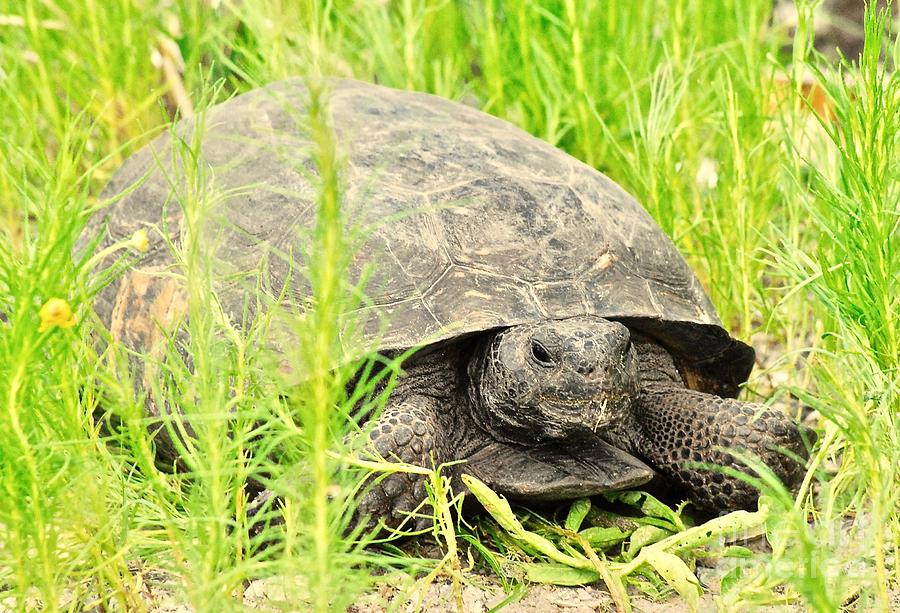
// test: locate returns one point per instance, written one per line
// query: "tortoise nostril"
(587, 370)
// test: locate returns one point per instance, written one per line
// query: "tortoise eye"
(540, 354)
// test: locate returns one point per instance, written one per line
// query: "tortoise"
(565, 346)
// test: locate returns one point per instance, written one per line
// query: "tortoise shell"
(471, 224)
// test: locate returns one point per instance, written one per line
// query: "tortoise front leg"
(677, 427)
(408, 432)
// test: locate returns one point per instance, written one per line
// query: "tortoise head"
(555, 380)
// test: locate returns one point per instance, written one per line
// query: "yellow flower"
(56, 312)
(140, 241)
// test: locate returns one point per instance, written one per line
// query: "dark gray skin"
(545, 399)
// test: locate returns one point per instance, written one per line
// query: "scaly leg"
(678, 426)
(406, 432)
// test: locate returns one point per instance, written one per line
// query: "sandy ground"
(480, 594)
(159, 592)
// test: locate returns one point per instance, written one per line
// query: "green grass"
(795, 238)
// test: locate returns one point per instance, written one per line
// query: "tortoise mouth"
(556, 471)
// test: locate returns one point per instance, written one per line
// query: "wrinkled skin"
(562, 409)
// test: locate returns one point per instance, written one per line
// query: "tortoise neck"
(435, 372)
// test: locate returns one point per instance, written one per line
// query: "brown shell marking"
(147, 306)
